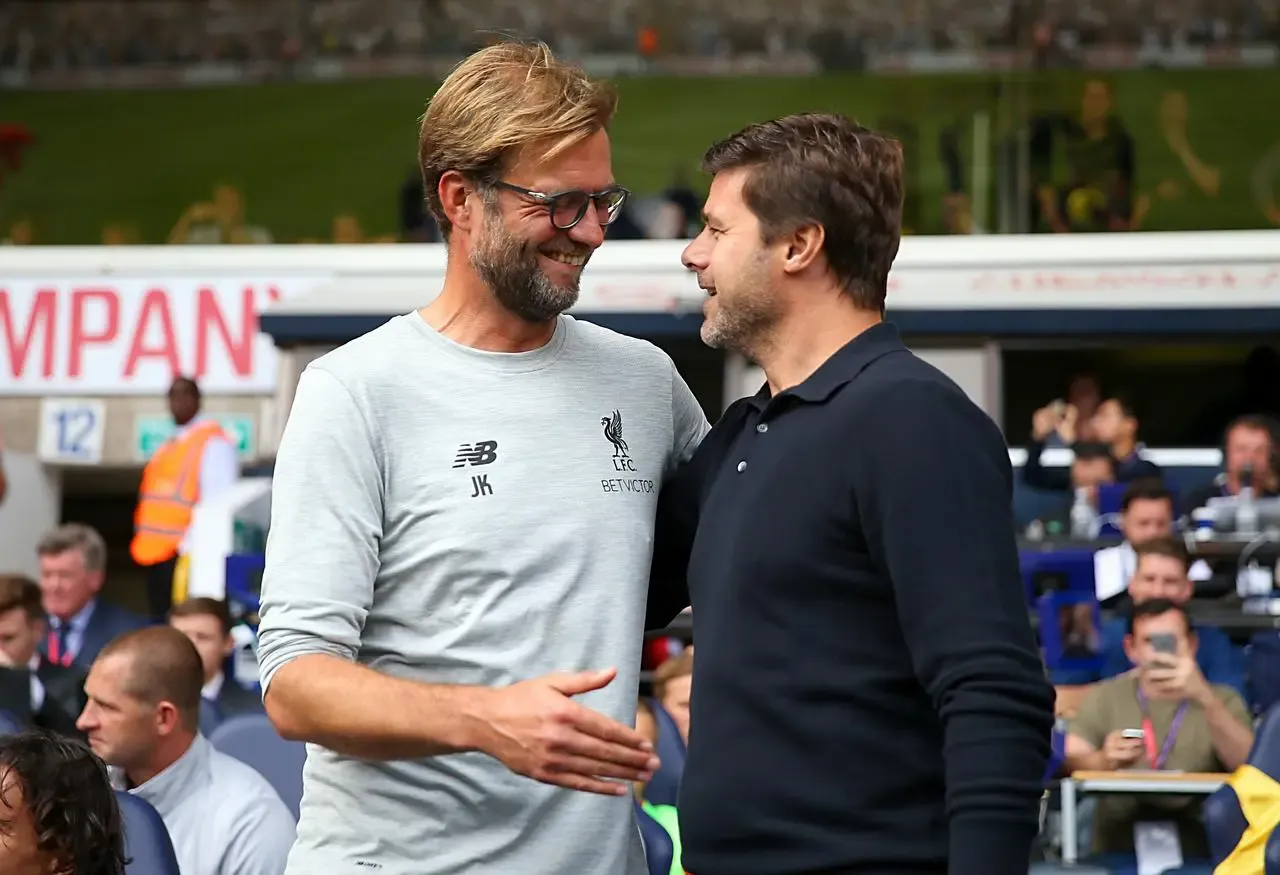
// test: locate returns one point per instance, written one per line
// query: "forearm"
(997, 743)
(1087, 761)
(1231, 739)
(359, 712)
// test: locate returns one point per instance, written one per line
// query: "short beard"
(509, 267)
(744, 325)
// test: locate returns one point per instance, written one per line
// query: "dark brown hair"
(204, 607)
(827, 170)
(1167, 547)
(164, 666)
(17, 591)
(73, 808)
(1158, 608)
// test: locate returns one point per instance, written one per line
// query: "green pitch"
(303, 153)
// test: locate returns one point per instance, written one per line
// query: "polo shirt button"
(742, 466)
(762, 427)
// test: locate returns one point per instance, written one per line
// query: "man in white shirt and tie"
(1146, 514)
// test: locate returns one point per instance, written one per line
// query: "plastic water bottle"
(1246, 512)
(244, 658)
(1084, 519)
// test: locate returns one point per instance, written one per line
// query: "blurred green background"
(305, 152)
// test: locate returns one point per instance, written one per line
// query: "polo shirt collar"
(845, 364)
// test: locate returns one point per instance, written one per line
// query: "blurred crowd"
(89, 34)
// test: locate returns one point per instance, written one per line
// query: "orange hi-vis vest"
(170, 490)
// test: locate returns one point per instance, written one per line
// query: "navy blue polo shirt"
(867, 693)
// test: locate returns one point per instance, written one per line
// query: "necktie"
(61, 652)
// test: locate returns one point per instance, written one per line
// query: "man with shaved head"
(143, 719)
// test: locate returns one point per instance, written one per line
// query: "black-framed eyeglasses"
(568, 208)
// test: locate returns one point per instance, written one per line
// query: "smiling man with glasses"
(462, 519)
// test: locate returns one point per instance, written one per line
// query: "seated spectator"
(32, 688)
(142, 719)
(1116, 425)
(1146, 514)
(1091, 467)
(218, 221)
(665, 815)
(1161, 574)
(1188, 724)
(1249, 451)
(672, 684)
(73, 561)
(208, 624)
(57, 808)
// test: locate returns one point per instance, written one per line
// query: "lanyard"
(1154, 757)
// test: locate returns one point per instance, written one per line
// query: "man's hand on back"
(536, 729)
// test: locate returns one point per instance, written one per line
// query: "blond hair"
(500, 101)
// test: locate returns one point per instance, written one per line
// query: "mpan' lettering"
(644, 487)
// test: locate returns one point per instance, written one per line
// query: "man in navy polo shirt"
(864, 649)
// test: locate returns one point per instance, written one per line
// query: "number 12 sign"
(71, 431)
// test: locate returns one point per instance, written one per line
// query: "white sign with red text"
(126, 335)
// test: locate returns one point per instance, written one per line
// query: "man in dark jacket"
(33, 690)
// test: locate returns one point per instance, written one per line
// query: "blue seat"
(210, 717)
(9, 725)
(659, 850)
(664, 786)
(1224, 821)
(147, 846)
(1272, 866)
(252, 739)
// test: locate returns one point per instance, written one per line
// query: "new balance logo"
(479, 453)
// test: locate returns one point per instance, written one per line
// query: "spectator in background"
(1249, 452)
(32, 688)
(1099, 155)
(221, 220)
(1115, 429)
(1146, 514)
(57, 809)
(1161, 573)
(208, 624)
(73, 561)
(142, 719)
(1092, 466)
(1116, 425)
(1171, 700)
(20, 234)
(168, 494)
(672, 685)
